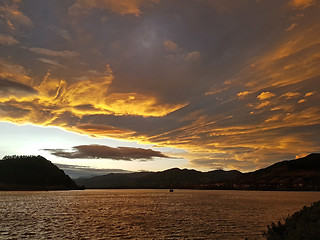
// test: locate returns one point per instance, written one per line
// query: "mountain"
(299, 174)
(32, 173)
(175, 178)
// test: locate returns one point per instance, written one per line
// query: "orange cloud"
(243, 94)
(301, 4)
(265, 95)
(290, 95)
(308, 94)
(170, 46)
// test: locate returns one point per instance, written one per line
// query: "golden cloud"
(56, 102)
(265, 95)
(243, 94)
(97, 130)
(290, 95)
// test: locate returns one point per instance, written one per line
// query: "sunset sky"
(155, 84)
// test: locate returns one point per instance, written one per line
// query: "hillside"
(175, 178)
(298, 174)
(32, 173)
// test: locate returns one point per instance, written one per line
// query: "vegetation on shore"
(304, 224)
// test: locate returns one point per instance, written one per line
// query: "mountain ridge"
(298, 174)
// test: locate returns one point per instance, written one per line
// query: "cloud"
(178, 54)
(290, 95)
(17, 72)
(243, 94)
(12, 113)
(102, 130)
(193, 56)
(13, 17)
(302, 100)
(301, 4)
(170, 46)
(105, 152)
(12, 88)
(51, 62)
(292, 26)
(308, 94)
(62, 32)
(265, 95)
(122, 7)
(7, 40)
(54, 53)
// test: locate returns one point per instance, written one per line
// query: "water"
(145, 214)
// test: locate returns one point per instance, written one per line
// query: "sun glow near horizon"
(203, 85)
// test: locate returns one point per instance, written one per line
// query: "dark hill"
(180, 179)
(32, 173)
(302, 173)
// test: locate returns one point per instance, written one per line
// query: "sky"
(140, 85)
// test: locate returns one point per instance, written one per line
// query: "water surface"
(145, 214)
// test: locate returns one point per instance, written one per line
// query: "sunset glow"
(154, 84)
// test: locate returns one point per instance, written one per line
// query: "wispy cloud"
(7, 40)
(13, 16)
(54, 53)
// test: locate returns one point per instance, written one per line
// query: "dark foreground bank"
(304, 224)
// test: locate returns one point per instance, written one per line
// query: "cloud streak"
(106, 152)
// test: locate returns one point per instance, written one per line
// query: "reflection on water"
(145, 214)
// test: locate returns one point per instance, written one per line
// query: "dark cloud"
(12, 88)
(105, 152)
(12, 112)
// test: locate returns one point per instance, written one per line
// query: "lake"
(145, 214)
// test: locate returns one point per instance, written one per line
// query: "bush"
(304, 224)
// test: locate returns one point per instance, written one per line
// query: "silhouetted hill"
(298, 174)
(32, 173)
(180, 179)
